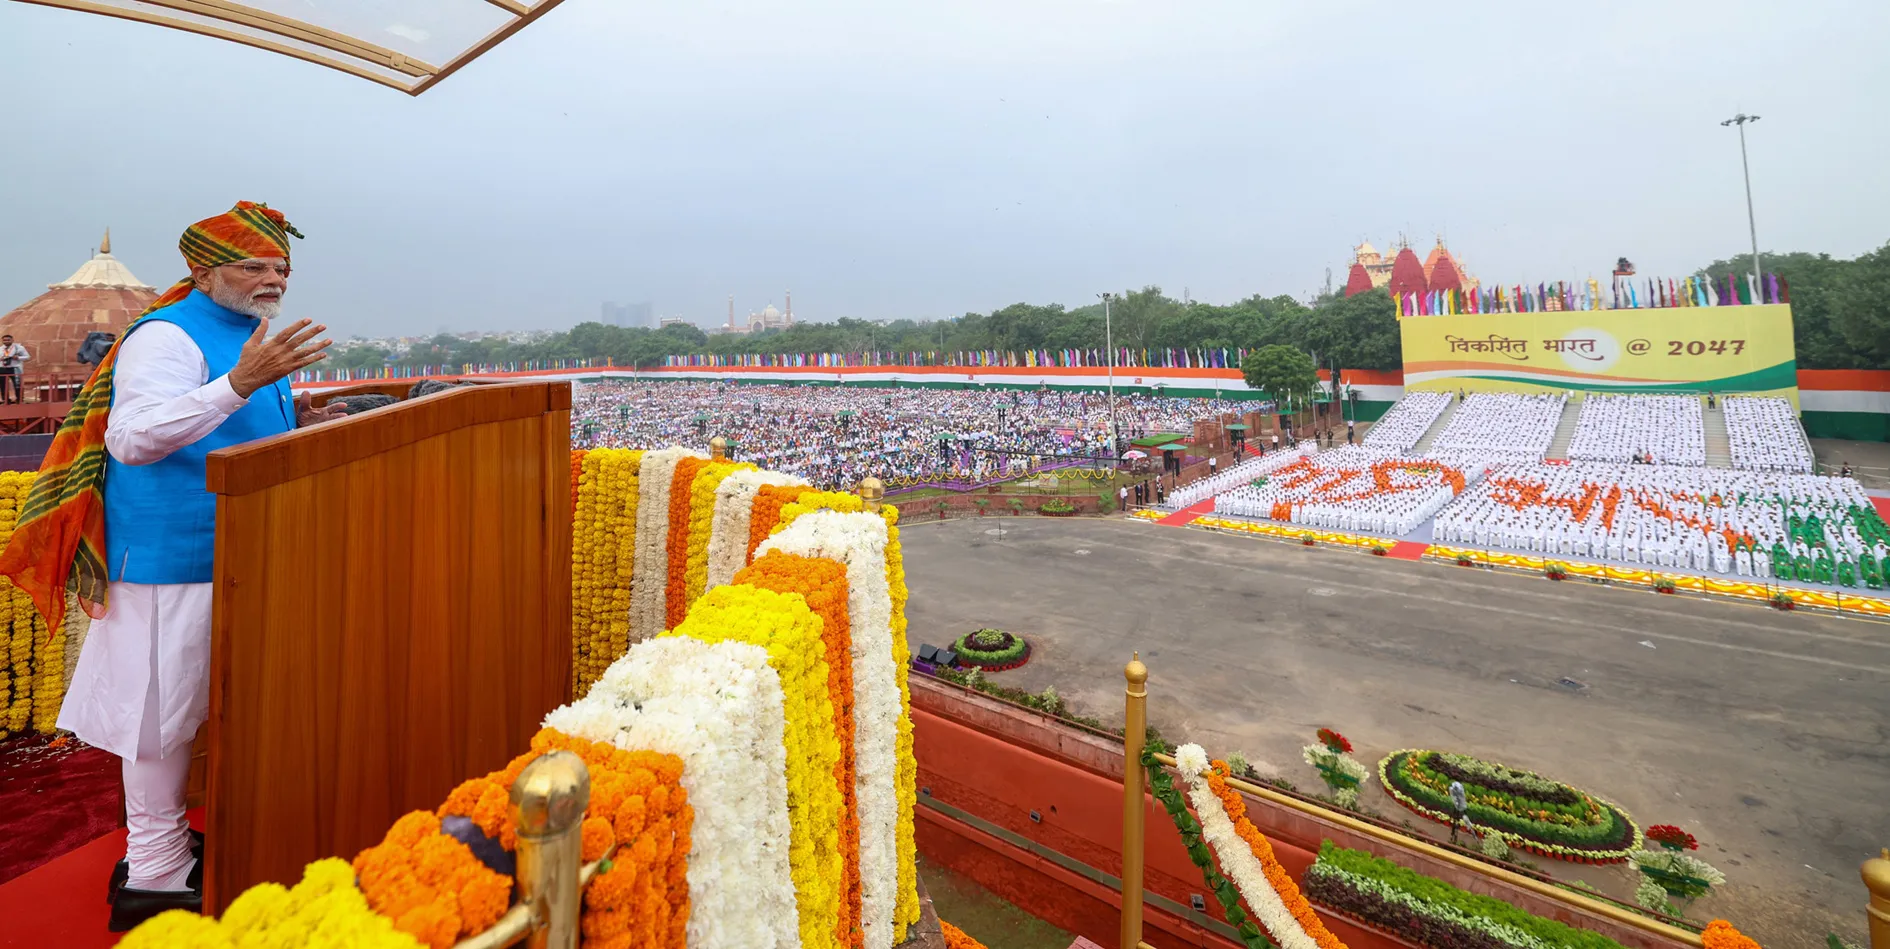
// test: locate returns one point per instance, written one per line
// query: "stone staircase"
(1565, 430)
(1718, 443)
(1437, 427)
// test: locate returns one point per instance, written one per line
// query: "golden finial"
(1135, 671)
(718, 448)
(105, 246)
(871, 490)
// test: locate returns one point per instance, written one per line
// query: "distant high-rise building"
(630, 314)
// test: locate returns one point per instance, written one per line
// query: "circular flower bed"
(992, 650)
(1057, 507)
(1528, 811)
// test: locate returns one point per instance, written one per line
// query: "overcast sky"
(896, 159)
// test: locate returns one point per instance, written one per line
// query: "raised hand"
(266, 358)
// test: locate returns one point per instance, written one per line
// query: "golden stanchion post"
(548, 802)
(718, 448)
(871, 491)
(1134, 731)
(1877, 880)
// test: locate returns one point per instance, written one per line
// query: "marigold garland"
(675, 587)
(1720, 934)
(808, 501)
(603, 539)
(907, 781)
(790, 632)
(430, 884)
(33, 659)
(324, 911)
(649, 591)
(719, 708)
(823, 585)
(859, 541)
(637, 801)
(956, 938)
(767, 511)
(1276, 876)
(702, 523)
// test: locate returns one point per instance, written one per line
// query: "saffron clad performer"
(120, 516)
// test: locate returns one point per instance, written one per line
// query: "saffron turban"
(59, 543)
(245, 231)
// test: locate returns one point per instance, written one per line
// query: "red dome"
(1407, 274)
(1444, 275)
(1358, 281)
(102, 296)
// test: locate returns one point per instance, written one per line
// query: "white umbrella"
(1134, 454)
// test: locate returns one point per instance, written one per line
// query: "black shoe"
(123, 869)
(135, 906)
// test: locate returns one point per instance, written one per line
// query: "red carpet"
(53, 800)
(1883, 506)
(1408, 550)
(1187, 514)
(63, 903)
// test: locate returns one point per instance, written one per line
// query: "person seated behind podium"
(197, 371)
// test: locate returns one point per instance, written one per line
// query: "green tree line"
(1841, 310)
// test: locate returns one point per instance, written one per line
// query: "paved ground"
(1765, 734)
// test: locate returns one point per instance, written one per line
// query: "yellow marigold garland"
(603, 538)
(907, 780)
(702, 523)
(324, 911)
(32, 662)
(782, 624)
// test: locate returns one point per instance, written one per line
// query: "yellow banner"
(1746, 349)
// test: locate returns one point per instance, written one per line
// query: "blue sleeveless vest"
(160, 522)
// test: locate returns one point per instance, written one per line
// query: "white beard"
(230, 299)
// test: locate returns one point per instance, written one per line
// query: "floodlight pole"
(1752, 225)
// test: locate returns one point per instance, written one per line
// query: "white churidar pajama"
(140, 690)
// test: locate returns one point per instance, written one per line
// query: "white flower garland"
(1236, 857)
(859, 542)
(734, 509)
(719, 708)
(649, 577)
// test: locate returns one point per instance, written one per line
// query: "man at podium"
(119, 514)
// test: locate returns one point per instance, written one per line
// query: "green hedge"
(1433, 891)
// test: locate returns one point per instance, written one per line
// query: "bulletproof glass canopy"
(404, 44)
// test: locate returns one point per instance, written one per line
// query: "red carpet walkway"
(63, 903)
(1408, 550)
(1188, 514)
(59, 836)
(53, 799)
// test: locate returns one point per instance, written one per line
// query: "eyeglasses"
(255, 268)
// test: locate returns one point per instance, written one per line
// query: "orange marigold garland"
(767, 511)
(1282, 882)
(429, 884)
(955, 938)
(577, 471)
(1720, 934)
(823, 584)
(640, 897)
(676, 601)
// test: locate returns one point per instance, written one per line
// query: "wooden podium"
(393, 616)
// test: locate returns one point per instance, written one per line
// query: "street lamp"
(1109, 342)
(1740, 120)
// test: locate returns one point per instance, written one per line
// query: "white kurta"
(153, 636)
